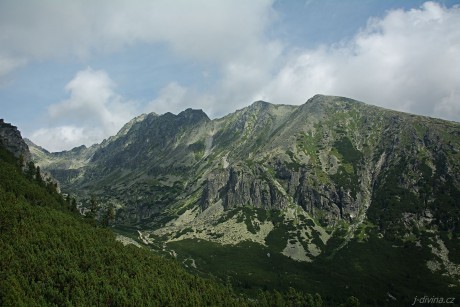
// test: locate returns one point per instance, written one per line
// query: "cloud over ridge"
(92, 112)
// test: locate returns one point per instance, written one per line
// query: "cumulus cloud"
(175, 98)
(208, 30)
(92, 112)
(172, 98)
(408, 60)
(240, 78)
(229, 34)
(66, 137)
(9, 64)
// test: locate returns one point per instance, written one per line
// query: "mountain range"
(278, 195)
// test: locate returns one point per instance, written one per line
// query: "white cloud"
(9, 64)
(243, 77)
(92, 112)
(408, 60)
(227, 33)
(239, 82)
(449, 107)
(175, 98)
(66, 137)
(303, 76)
(208, 30)
(172, 98)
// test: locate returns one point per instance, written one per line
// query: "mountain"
(303, 185)
(52, 256)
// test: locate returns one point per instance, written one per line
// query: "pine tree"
(31, 171)
(109, 216)
(38, 175)
(73, 206)
(21, 161)
(93, 207)
(351, 302)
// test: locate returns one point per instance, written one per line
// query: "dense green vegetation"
(366, 270)
(51, 256)
(437, 194)
(346, 175)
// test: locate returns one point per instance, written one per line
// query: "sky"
(73, 72)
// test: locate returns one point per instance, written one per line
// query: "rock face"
(336, 158)
(239, 186)
(11, 139)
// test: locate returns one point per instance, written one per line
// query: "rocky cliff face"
(11, 139)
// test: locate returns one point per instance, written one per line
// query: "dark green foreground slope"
(48, 256)
(51, 256)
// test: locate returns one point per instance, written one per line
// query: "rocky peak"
(332, 101)
(11, 139)
(260, 104)
(193, 115)
(33, 145)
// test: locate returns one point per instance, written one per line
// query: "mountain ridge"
(190, 142)
(261, 102)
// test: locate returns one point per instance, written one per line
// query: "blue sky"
(73, 72)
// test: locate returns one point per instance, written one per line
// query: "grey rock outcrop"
(240, 186)
(11, 139)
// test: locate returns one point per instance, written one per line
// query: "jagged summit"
(194, 114)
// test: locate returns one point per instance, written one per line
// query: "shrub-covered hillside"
(51, 257)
